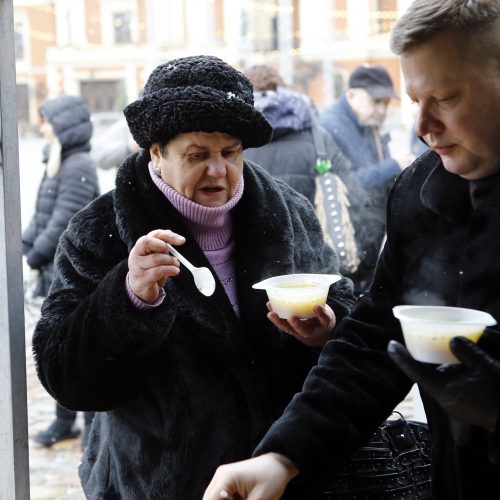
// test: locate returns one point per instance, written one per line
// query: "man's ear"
(349, 93)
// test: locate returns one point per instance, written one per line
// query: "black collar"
(485, 192)
(446, 194)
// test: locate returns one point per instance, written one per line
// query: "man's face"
(203, 167)
(370, 111)
(457, 90)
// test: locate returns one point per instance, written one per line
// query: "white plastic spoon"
(203, 278)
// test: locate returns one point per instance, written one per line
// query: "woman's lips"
(212, 189)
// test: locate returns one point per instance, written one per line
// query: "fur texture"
(185, 387)
(197, 93)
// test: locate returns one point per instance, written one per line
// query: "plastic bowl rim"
(489, 320)
(264, 284)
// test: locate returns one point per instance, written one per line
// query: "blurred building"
(105, 49)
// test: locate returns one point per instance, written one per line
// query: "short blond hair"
(425, 19)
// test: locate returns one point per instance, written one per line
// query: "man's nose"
(426, 122)
(381, 108)
(380, 113)
(216, 166)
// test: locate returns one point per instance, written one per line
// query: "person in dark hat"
(182, 382)
(355, 123)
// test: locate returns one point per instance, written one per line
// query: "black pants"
(70, 415)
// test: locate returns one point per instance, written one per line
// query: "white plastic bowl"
(297, 294)
(427, 330)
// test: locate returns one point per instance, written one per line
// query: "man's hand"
(150, 264)
(261, 478)
(313, 332)
(468, 392)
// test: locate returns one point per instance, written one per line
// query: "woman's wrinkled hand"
(150, 264)
(312, 332)
(261, 478)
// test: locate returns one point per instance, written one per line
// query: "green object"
(323, 166)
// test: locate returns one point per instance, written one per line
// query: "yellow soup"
(296, 285)
(435, 348)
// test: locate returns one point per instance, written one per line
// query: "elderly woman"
(182, 382)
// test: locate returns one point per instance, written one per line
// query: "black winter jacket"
(62, 195)
(184, 387)
(439, 251)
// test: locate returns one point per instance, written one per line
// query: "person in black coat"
(291, 153)
(442, 249)
(68, 184)
(182, 382)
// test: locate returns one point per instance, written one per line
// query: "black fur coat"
(184, 387)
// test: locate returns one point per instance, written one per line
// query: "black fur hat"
(196, 94)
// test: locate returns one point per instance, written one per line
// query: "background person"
(110, 149)
(68, 184)
(292, 156)
(442, 248)
(291, 153)
(355, 123)
(182, 382)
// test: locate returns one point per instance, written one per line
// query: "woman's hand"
(313, 332)
(150, 264)
(261, 478)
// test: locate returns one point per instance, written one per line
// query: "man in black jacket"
(442, 248)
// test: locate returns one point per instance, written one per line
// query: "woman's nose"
(216, 166)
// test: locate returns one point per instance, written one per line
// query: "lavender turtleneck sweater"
(212, 229)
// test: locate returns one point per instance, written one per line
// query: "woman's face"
(47, 131)
(203, 167)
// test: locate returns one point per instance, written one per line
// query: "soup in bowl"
(297, 294)
(427, 330)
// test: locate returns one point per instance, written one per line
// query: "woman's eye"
(197, 156)
(230, 153)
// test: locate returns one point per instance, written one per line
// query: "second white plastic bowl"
(427, 330)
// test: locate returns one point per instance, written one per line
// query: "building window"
(384, 16)
(121, 26)
(265, 25)
(100, 95)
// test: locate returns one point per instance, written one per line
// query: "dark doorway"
(100, 95)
